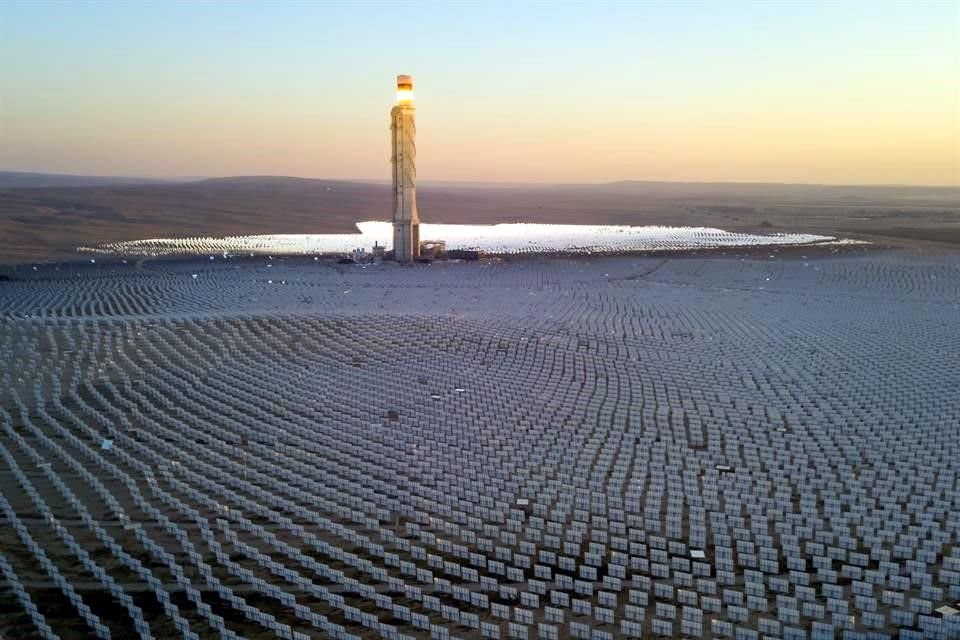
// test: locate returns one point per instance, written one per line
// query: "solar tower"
(406, 221)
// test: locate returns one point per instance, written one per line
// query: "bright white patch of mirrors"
(494, 239)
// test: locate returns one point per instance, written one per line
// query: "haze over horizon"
(133, 180)
(821, 93)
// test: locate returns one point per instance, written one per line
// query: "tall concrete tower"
(406, 220)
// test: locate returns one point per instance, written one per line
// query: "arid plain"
(42, 220)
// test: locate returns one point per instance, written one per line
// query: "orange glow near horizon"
(831, 92)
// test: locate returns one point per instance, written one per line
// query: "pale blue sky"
(786, 91)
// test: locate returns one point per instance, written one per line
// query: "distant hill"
(21, 179)
(43, 223)
(772, 190)
(40, 223)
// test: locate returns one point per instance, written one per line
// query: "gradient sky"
(828, 92)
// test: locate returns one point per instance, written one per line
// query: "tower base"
(406, 241)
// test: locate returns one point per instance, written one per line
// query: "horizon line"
(184, 179)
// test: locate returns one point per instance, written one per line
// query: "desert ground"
(732, 444)
(51, 218)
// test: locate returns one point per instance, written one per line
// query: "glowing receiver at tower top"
(404, 89)
(406, 220)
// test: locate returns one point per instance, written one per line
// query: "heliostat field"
(743, 446)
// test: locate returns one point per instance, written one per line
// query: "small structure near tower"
(406, 220)
(433, 249)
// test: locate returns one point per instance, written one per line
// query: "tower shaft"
(406, 220)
